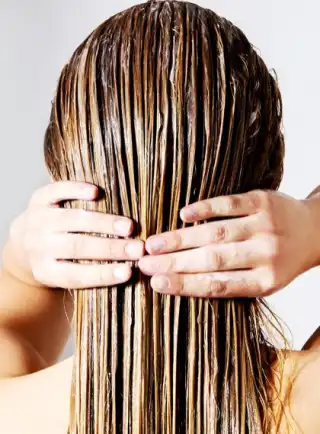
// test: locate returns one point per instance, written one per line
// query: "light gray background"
(38, 36)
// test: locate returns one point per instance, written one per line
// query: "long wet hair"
(166, 104)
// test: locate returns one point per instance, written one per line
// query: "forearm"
(314, 341)
(313, 203)
(39, 315)
(315, 193)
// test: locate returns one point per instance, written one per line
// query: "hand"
(43, 237)
(268, 242)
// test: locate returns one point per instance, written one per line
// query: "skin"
(249, 254)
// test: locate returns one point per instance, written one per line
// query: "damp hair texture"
(163, 105)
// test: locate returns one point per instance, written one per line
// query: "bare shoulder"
(36, 403)
(300, 392)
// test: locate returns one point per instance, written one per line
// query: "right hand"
(45, 236)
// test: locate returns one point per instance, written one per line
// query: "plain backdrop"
(38, 36)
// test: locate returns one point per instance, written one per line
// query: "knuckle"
(206, 206)
(66, 282)
(213, 260)
(269, 281)
(68, 279)
(62, 216)
(242, 232)
(60, 220)
(271, 249)
(112, 247)
(39, 273)
(219, 234)
(84, 217)
(232, 203)
(171, 264)
(265, 201)
(217, 288)
(234, 253)
(268, 222)
(242, 287)
(257, 198)
(180, 286)
(207, 258)
(38, 221)
(176, 240)
(76, 246)
(205, 209)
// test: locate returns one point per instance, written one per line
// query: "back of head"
(162, 105)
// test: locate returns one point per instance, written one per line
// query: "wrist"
(313, 205)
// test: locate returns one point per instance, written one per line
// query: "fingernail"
(189, 212)
(121, 272)
(134, 249)
(122, 226)
(156, 244)
(160, 283)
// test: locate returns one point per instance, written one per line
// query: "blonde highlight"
(166, 104)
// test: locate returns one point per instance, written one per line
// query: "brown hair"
(162, 105)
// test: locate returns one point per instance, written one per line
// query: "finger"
(87, 247)
(79, 276)
(211, 285)
(224, 231)
(56, 192)
(219, 257)
(224, 206)
(78, 220)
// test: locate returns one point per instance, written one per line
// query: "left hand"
(269, 241)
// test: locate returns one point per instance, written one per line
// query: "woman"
(163, 105)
